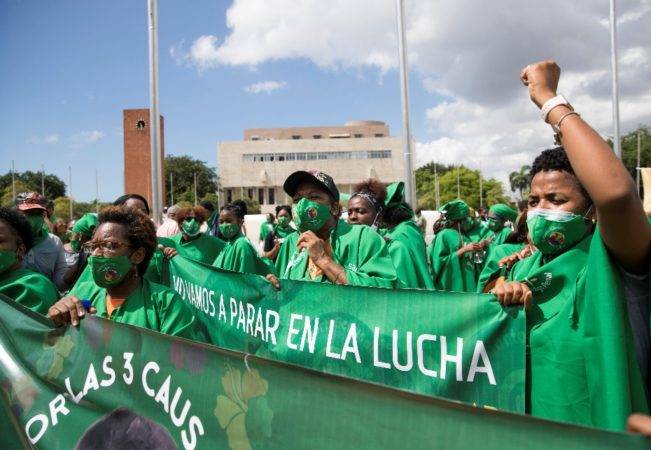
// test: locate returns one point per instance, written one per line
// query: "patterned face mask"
(310, 215)
(553, 231)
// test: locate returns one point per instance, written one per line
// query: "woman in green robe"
(501, 257)
(586, 289)
(373, 204)
(121, 247)
(498, 215)
(452, 254)
(281, 230)
(29, 288)
(328, 249)
(238, 255)
(191, 243)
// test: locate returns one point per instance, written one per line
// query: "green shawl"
(239, 255)
(581, 356)
(449, 272)
(409, 256)
(29, 288)
(491, 268)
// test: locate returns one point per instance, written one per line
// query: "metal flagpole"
(436, 186)
(96, 192)
(154, 116)
(171, 188)
(637, 167)
(195, 189)
(617, 145)
(410, 192)
(43, 180)
(481, 189)
(70, 189)
(13, 180)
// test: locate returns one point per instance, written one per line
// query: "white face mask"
(555, 215)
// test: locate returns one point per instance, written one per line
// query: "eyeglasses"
(104, 246)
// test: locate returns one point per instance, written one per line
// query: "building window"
(261, 196)
(313, 156)
(140, 125)
(359, 135)
(229, 196)
(296, 136)
(379, 134)
(271, 196)
(317, 136)
(255, 138)
(249, 193)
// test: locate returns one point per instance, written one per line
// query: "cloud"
(84, 138)
(49, 139)
(469, 52)
(266, 87)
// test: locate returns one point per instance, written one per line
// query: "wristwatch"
(553, 103)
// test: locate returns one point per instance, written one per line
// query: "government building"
(258, 166)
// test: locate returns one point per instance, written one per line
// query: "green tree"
(7, 192)
(31, 181)
(212, 198)
(520, 180)
(492, 190)
(629, 149)
(182, 169)
(62, 208)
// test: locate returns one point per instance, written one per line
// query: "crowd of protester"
(582, 215)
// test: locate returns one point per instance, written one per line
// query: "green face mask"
(229, 230)
(283, 221)
(75, 245)
(553, 231)
(191, 227)
(36, 223)
(311, 215)
(7, 259)
(109, 272)
(495, 224)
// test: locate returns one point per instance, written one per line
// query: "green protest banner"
(454, 345)
(107, 385)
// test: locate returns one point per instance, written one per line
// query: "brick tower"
(137, 156)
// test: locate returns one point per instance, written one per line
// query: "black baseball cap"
(321, 179)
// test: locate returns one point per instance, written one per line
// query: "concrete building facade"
(137, 152)
(258, 166)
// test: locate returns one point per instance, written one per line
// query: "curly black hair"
(120, 201)
(141, 231)
(19, 224)
(284, 208)
(207, 205)
(238, 208)
(556, 159)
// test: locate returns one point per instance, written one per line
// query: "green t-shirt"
(204, 248)
(29, 288)
(239, 255)
(359, 249)
(449, 272)
(581, 355)
(152, 306)
(409, 256)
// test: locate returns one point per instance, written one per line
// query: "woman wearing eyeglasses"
(120, 250)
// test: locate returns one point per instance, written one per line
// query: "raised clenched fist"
(542, 80)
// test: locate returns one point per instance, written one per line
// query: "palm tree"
(520, 180)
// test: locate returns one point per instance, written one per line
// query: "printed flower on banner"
(244, 396)
(57, 349)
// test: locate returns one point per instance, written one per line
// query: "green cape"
(204, 248)
(29, 288)
(449, 272)
(581, 356)
(409, 256)
(359, 249)
(150, 306)
(239, 255)
(491, 268)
